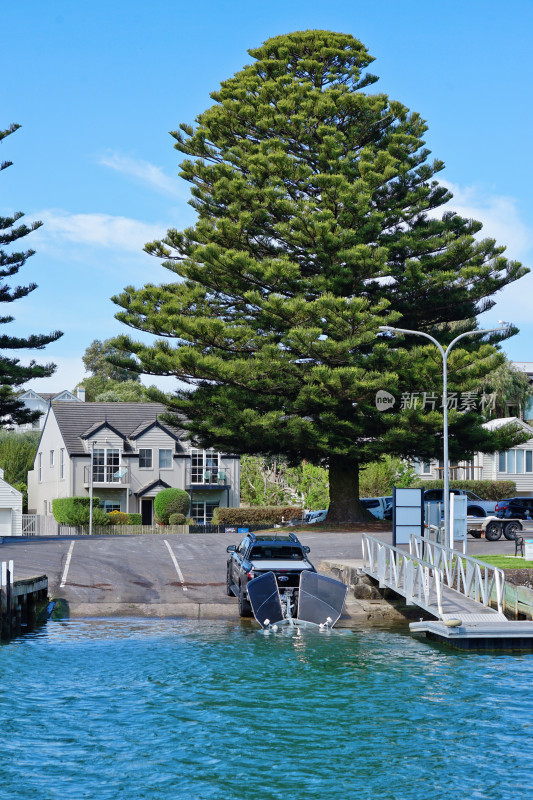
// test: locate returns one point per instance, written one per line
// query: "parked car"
(378, 506)
(515, 507)
(313, 517)
(284, 555)
(476, 507)
(310, 518)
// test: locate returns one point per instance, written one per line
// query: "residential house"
(10, 509)
(133, 454)
(41, 401)
(515, 464)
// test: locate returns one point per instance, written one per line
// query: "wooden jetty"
(19, 600)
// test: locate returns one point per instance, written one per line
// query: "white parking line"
(178, 570)
(67, 565)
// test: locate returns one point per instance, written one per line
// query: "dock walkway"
(457, 590)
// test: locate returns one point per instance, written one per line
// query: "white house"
(10, 509)
(134, 456)
(515, 464)
(41, 401)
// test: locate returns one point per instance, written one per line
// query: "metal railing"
(196, 476)
(469, 576)
(106, 474)
(464, 472)
(410, 575)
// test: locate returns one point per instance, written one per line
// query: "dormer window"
(145, 458)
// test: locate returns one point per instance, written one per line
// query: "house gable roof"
(152, 485)
(77, 419)
(98, 426)
(499, 422)
(148, 425)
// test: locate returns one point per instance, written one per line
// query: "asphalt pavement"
(162, 575)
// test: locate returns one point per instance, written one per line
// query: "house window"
(202, 513)
(515, 462)
(165, 459)
(62, 463)
(145, 458)
(52, 458)
(106, 465)
(110, 505)
(40, 466)
(425, 468)
(204, 466)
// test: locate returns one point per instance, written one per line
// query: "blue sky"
(98, 85)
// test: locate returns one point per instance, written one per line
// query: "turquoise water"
(171, 709)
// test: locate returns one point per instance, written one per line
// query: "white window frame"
(62, 463)
(511, 458)
(202, 505)
(40, 467)
(109, 467)
(146, 450)
(52, 457)
(165, 450)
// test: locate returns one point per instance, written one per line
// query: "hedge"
(76, 511)
(135, 519)
(170, 501)
(487, 490)
(258, 515)
(118, 518)
(177, 519)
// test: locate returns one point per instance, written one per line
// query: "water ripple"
(169, 709)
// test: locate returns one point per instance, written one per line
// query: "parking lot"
(158, 574)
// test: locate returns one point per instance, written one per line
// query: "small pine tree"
(12, 373)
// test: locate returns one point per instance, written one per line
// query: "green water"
(171, 709)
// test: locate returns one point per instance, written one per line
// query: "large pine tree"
(316, 224)
(12, 373)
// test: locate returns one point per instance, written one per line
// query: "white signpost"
(407, 514)
(458, 519)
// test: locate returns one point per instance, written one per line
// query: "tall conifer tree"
(12, 373)
(316, 224)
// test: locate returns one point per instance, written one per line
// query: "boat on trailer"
(318, 601)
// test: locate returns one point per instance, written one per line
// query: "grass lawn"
(507, 562)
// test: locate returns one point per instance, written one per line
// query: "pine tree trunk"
(344, 503)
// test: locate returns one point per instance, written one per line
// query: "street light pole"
(444, 354)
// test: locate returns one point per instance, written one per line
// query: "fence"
(37, 525)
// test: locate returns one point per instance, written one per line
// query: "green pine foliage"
(316, 223)
(12, 373)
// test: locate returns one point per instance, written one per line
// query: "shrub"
(258, 515)
(487, 490)
(135, 519)
(170, 501)
(118, 518)
(177, 519)
(76, 511)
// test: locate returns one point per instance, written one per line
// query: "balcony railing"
(107, 475)
(466, 472)
(195, 476)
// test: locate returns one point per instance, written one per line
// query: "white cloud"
(144, 171)
(499, 215)
(97, 230)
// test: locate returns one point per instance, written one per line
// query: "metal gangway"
(441, 581)
(456, 589)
